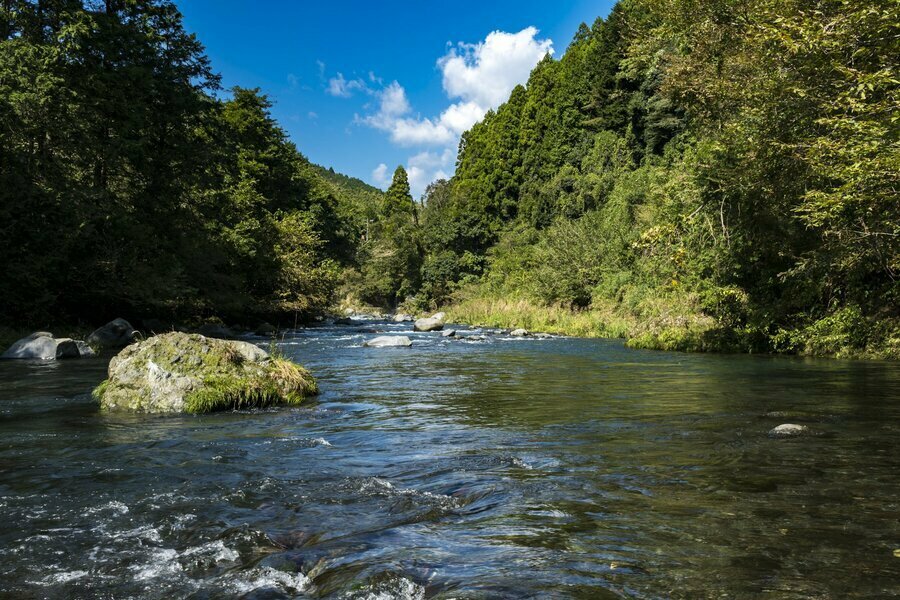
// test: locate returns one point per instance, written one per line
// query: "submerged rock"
(43, 346)
(115, 334)
(389, 341)
(180, 372)
(429, 324)
(788, 430)
(519, 333)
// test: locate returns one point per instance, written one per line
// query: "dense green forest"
(697, 175)
(716, 175)
(131, 184)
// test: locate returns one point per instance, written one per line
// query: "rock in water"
(43, 346)
(266, 329)
(115, 334)
(403, 318)
(519, 333)
(449, 333)
(389, 341)
(788, 430)
(439, 316)
(180, 372)
(429, 324)
(216, 330)
(343, 321)
(84, 350)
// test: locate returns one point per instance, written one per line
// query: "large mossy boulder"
(189, 373)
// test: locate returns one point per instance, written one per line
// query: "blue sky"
(365, 86)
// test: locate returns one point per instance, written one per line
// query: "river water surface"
(463, 468)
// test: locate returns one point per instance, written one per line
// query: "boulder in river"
(389, 341)
(788, 430)
(84, 351)
(42, 345)
(266, 329)
(449, 333)
(190, 373)
(519, 333)
(343, 321)
(403, 318)
(440, 316)
(429, 324)
(216, 330)
(115, 334)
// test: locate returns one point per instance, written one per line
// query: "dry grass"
(494, 312)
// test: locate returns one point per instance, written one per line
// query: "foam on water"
(267, 577)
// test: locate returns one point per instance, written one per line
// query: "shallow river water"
(459, 468)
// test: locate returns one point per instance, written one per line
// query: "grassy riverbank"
(676, 324)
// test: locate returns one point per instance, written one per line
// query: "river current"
(482, 466)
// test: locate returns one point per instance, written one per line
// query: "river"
(463, 468)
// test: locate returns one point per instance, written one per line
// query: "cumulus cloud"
(476, 78)
(344, 88)
(380, 175)
(485, 73)
(425, 167)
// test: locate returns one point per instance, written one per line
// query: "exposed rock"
(449, 333)
(266, 329)
(43, 346)
(439, 316)
(216, 330)
(519, 333)
(84, 350)
(403, 318)
(788, 430)
(343, 321)
(115, 334)
(429, 324)
(180, 372)
(389, 341)
(349, 312)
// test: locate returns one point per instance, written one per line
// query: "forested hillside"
(717, 174)
(130, 184)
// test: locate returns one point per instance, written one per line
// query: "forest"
(717, 175)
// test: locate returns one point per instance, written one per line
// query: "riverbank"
(675, 324)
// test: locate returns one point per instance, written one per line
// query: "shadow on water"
(463, 468)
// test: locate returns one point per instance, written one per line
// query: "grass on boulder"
(284, 383)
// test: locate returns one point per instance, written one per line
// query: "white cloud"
(476, 78)
(425, 167)
(380, 176)
(344, 88)
(485, 73)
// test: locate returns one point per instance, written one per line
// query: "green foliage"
(128, 187)
(736, 159)
(392, 254)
